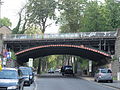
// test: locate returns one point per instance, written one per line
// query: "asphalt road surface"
(52, 82)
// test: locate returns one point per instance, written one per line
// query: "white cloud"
(10, 9)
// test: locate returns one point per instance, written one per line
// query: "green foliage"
(89, 15)
(16, 29)
(13, 56)
(39, 11)
(114, 13)
(52, 61)
(83, 62)
(32, 30)
(22, 22)
(114, 58)
(5, 22)
(93, 19)
(71, 15)
(35, 63)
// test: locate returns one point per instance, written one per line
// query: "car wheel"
(32, 81)
(29, 83)
(97, 80)
(111, 81)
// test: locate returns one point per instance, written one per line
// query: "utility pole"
(0, 7)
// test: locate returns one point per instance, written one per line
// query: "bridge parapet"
(110, 34)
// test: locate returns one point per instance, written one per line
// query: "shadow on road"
(55, 76)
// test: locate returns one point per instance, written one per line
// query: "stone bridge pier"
(116, 58)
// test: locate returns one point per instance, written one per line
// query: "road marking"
(35, 88)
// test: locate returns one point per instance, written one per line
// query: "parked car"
(57, 70)
(28, 75)
(51, 71)
(103, 75)
(11, 79)
(67, 70)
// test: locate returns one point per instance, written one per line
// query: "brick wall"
(116, 63)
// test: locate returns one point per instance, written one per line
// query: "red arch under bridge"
(45, 50)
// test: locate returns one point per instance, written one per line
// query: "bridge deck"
(82, 35)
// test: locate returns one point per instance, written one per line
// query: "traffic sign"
(0, 67)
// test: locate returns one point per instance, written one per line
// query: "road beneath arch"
(52, 82)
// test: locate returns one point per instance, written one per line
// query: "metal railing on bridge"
(109, 34)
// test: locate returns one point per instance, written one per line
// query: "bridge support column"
(73, 62)
(100, 45)
(116, 62)
(104, 45)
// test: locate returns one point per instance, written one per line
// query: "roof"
(5, 30)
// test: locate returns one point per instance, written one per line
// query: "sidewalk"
(115, 84)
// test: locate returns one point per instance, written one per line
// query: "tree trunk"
(46, 66)
(39, 66)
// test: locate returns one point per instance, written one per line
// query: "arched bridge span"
(67, 43)
(45, 50)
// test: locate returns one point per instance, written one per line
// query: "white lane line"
(35, 88)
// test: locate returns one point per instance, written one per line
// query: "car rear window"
(8, 74)
(69, 67)
(106, 71)
(103, 71)
(25, 72)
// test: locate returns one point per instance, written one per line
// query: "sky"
(10, 9)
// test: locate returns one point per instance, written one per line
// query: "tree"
(89, 15)
(71, 12)
(16, 29)
(94, 18)
(114, 13)
(13, 56)
(5, 22)
(33, 30)
(40, 11)
(21, 25)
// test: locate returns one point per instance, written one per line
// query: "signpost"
(90, 66)
(30, 63)
(0, 64)
(4, 61)
(9, 55)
